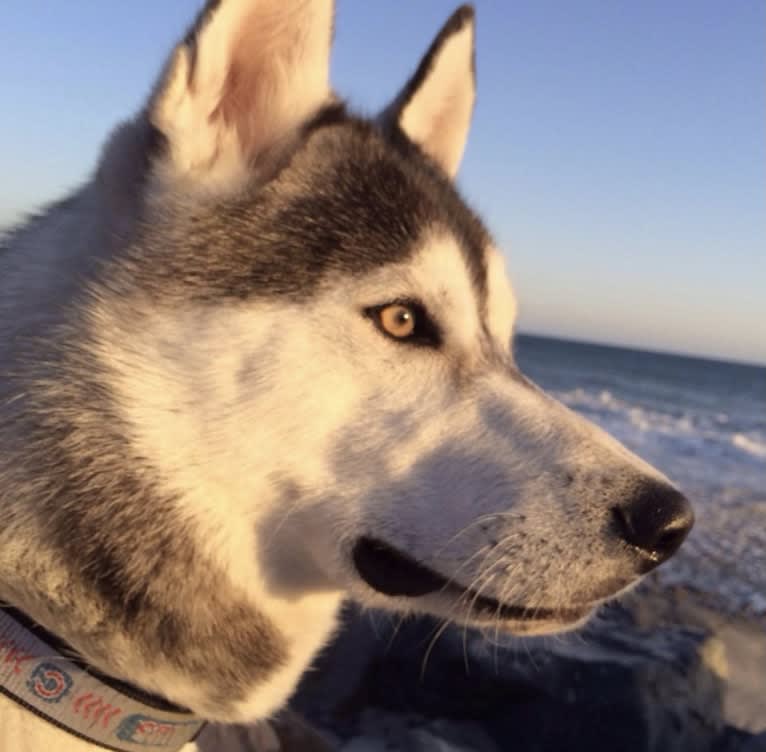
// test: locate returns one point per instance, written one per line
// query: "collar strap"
(76, 698)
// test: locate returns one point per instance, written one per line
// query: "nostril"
(623, 524)
(656, 520)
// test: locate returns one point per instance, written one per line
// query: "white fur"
(347, 383)
(501, 302)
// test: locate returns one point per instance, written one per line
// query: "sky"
(617, 153)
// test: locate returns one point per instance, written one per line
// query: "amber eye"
(398, 320)
(406, 321)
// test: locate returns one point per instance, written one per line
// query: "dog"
(262, 362)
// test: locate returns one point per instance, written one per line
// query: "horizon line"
(649, 350)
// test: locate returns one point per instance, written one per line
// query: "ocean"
(703, 423)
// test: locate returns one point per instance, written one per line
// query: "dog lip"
(492, 607)
(391, 572)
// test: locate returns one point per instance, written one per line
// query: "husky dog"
(261, 362)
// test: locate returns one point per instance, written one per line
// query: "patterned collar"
(79, 700)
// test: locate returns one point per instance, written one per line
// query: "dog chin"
(491, 618)
(533, 627)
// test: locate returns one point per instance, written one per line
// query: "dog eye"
(405, 321)
(398, 320)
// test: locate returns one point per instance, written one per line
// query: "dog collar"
(81, 701)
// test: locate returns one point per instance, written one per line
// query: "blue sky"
(618, 150)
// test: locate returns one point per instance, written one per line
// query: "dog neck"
(44, 678)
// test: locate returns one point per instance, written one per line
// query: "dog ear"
(247, 76)
(434, 108)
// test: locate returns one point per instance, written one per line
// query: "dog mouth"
(390, 572)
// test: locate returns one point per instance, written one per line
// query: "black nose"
(655, 520)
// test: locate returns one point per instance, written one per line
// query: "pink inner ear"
(439, 135)
(265, 62)
(255, 71)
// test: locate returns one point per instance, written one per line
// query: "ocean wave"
(691, 429)
(749, 445)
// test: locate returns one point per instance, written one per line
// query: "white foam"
(642, 418)
(695, 444)
(749, 445)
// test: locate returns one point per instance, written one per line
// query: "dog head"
(307, 337)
